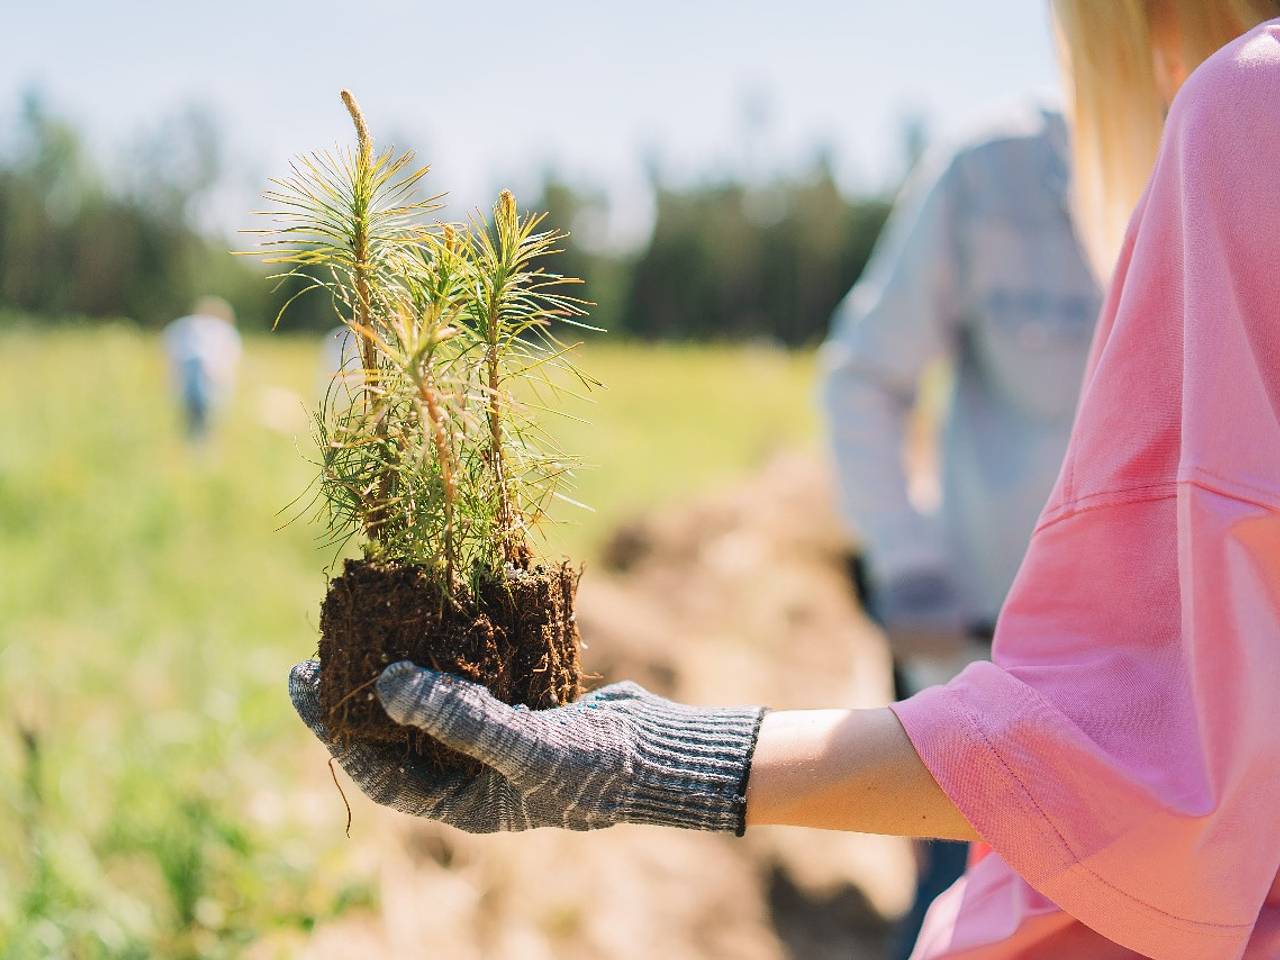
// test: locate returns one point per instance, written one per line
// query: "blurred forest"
(726, 260)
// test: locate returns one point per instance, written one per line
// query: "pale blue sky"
(494, 92)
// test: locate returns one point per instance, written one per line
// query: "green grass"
(150, 609)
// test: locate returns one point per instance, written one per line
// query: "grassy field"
(150, 609)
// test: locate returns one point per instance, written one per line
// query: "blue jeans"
(197, 398)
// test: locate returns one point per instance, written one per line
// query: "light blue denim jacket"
(980, 265)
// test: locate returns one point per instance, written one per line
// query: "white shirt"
(979, 265)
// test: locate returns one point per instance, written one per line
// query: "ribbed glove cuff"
(692, 766)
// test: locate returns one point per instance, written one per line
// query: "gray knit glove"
(617, 755)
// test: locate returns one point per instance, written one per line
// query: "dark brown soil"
(519, 638)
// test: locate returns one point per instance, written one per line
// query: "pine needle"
(429, 452)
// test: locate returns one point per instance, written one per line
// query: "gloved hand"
(617, 755)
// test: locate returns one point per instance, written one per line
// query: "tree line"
(725, 260)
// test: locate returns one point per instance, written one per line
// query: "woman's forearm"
(847, 770)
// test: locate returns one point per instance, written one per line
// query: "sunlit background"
(608, 96)
(724, 169)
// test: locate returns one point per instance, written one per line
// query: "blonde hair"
(1117, 108)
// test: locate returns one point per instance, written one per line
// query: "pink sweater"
(1121, 755)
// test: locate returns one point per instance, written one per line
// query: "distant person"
(980, 268)
(204, 353)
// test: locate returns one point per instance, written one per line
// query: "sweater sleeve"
(1120, 752)
(1122, 757)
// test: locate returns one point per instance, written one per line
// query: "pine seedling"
(434, 457)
